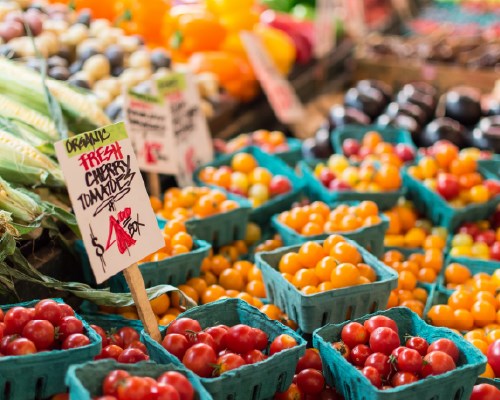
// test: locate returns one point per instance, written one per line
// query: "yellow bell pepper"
(279, 46)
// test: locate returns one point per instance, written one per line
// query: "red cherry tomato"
(201, 337)
(179, 382)
(379, 321)
(128, 335)
(182, 325)
(261, 339)
(75, 340)
(310, 359)
(310, 381)
(446, 346)
(419, 344)
(102, 333)
(343, 349)
(134, 388)
(138, 345)
(41, 333)
(240, 339)
(20, 347)
(282, 342)
(132, 356)
(70, 326)
(485, 391)
(66, 310)
(48, 309)
(218, 333)
(353, 334)
(254, 356)
(15, 319)
(292, 393)
(380, 362)
(384, 340)
(359, 354)
(176, 344)
(372, 375)
(409, 360)
(115, 339)
(113, 380)
(164, 391)
(493, 355)
(403, 378)
(110, 351)
(200, 359)
(228, 362)
(437, 363)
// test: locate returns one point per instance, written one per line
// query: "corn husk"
(21, 207)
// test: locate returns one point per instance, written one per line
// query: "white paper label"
(109, 198)
(193, 142)
(281, 95)
(325, 27)
(149, 124)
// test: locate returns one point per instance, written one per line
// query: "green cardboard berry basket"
(41, 375)
(250, 382)
(370, 237)
(452, 385)
(316, 191)
(173, 270)
(389, 134)
(220, 229)
(292, 156)
(262, 214)
(490, 168)
(111, 322)
(312, 311)
(495, 382)
(439, 211)
(85, 380)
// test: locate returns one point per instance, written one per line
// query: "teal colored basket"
(490, 168)
(85, 380)
(371, 237)
(220, 229)
(262, 214)
(495, 382)
(316, 191)
(389, 135)
(250, 382)
(453, 385)
(111, 322)
(312, 311)
(437, 209)
(41, 375)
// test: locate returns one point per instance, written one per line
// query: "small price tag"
(193, 142)
(279, 92)
(109, 198)
(325, 37)
(149, 124)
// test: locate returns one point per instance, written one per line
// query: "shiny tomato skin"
(292, 393)
(115, 339)
(201, 337)
(182, 325)
(446, 346)
(113, 380)
(128, 335)
(310, 359)
(132, 356)
(261, 339)
(403, 378)
(75, 340)
(176, 344)
(138, 345)
(41, 333)
(372, 375)
(493, 355)
(409, 360)
(359, 354)
(485, 391)
(69, 326)
(310, 381)
(419, 344)
(353, 334)
(218, 333)
(15, 319)
(110, 351)
(437, 363)
(134, 388)
(20, 347)
(102, 333)
(379, 321)
(228, 362)
(200, 359)
(240, 339)
(384, 340)
(179, 382)
(48, 309)
(66, 310)
(164, 391)
(380, 362)
(254, 356)
(282, 342)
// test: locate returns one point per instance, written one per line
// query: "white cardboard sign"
(279, 92)
(325, 31)
(149, 124)
(193, 142)
(109, 198)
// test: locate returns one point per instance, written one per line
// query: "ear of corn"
(13, 110)
(23, 208)
(23, 164)
(25, 86)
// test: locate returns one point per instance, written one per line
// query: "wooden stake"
(154, 184)
(137, 288)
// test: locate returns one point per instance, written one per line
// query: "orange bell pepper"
(235, 74)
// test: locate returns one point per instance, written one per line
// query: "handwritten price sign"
(193, 143)
(279, 92)
(110, 201)
(149, 124)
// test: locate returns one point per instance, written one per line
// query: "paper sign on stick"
(110, 201)
(193, 143)
(149, 125)
(325, 31)
(280, 93)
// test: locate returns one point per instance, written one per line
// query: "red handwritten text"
(101, 155)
